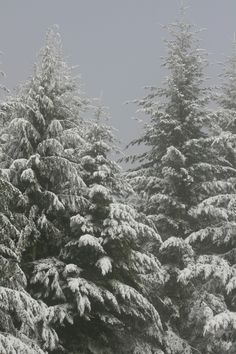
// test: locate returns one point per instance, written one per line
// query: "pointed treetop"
(234, 44)
(51, 54)
(53, 37)
(99, 109)
(183, 9)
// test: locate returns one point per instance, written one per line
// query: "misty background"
(116, 43)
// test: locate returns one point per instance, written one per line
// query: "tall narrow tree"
(215, 214)
(42, 127)
(24, 324)
(176, 174)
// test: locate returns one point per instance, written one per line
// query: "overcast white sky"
(116, 43)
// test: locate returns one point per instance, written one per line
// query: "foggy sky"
(116, 43)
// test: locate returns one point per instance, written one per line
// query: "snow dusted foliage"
(99, 288)
(174, 135)
(209, 278)
(179, 156)
(185, 186)
(87, 266)
(214, 235)
(227, 95)
(45, 128)
(215, 212)
(197, 297)
(24, 321)
(211, 274)
(40, 176)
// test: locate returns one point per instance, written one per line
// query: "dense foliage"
(97, 261)
(185, 182)
(80, 244)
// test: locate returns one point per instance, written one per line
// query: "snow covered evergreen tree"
(103, 277)
(83, 256)
(38, 169)
(173, 137)
(45, 127)
(24, 324)
(214, 239)
(180, 168)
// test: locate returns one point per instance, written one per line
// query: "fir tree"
(106, 277)
(83, 257)
(24, 324)
(173, 137)
(215, 215)
(42, 128)
(24, 321)
(176, 174)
